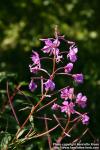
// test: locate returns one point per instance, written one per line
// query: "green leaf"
(5, 138)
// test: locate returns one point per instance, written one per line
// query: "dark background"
(23, 22)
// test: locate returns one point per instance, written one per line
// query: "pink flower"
(78, 78)
(49, 85)
(81, 100)
(32, 86)
(72, 53)
(67, 93)
(55, 106)
(35, 58)
(85, 119)
(51, 47)
(68, 67)
(68, 107)
(34, 68)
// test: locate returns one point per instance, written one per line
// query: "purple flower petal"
(35, 58)
(74, 49)
(48, 42)
(85, 119)
(65, 103)
(68, 107)
(55, 106)
(55, 51)
(81, 100)
(71, 93)
(68, 67)
(51, 46)
(67, 93)
(78, 78)
(46, 49)
(32, 86)
(56, 43)
(49, 85)
(72, 56)
(72, 53)
(64, 94)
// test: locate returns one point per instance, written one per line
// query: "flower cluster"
(71, 102)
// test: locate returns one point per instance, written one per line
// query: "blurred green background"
(23, 22)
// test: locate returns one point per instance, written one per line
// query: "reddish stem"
(64, 131)
(48, 135)
(78, 139)
(44, 133)
(46, 105)
(11, 98)
(32, 111)
(10, 102)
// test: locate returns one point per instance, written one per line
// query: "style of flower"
(35, 58)
(68, 107)
(58, 58)
(85, 119)
(78, 78)
(34, 69)
(55, 106)
(67, 93)
(51, 47)
(49, 85)
(81, 100)
(32, 86)
(68, 67)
